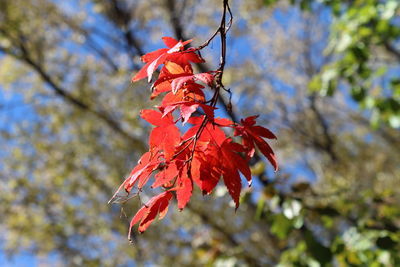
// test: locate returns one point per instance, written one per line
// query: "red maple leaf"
(147, 214)
(180, 81)
(166, 175)
(140, 174)
(165, 136)
(205, 170)
(170, 71)
(252, 134)
(231, 163)
(186, 56)
(184, 188)
(211, 161)
(187, 108)
(211, 132)
(172, 53)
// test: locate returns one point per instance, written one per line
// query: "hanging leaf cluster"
(203, 154)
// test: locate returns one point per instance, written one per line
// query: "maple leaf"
(194, 94)
(188, 100)
(160, 56)
(170, 71)
(231, 163)
(205, 170)
(252, 134)
(183, 58)
(140, 174)
(169, 41)
(179, 82)
(187, 108)
(204, 156)
(166, 175)
(147, 214)
(212, 161)
(184, 188)
(165, 136)
(224, 122)
(211, 132)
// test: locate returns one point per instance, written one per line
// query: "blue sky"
(19, 260)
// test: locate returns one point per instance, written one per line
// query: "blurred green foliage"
(363, 32)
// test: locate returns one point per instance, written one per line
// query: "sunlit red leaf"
(179, 82)
(184, 189)
(165, 138)
(146, 165)
(252, 134)
(205, 171)
(166, 175)
(174, 53)
(147, 214)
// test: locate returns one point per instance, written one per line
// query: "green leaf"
(281, 226)
(321, 253)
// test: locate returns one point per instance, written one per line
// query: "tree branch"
(227, 235)
(311, 70)
(389, 47)
(64, 94)
(179, 34)
(123, 19)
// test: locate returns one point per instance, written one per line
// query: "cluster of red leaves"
(204, 153)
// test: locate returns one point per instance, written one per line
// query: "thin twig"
(218, 85)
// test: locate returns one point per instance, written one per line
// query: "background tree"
(70, 131)
(364, 46)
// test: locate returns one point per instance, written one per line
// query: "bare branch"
(223, 231)
(311, 70)
(392, 49)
